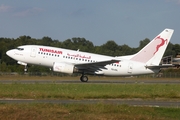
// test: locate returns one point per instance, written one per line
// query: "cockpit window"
(20, 49)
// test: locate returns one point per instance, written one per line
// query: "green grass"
(89, 91)
(97, 111)
(85, 112)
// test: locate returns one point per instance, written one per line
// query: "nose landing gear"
(25, 68)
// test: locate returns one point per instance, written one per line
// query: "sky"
(124, 21)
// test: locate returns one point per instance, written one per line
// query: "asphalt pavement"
(132, 102)
(126, 81)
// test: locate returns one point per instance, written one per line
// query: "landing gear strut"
(25, 68)
(84, 78)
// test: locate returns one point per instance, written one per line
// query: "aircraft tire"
(84, 78)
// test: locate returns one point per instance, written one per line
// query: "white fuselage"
(47, 56)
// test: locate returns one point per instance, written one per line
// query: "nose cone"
(10, 53)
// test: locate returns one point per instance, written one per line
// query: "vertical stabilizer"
(153, 52)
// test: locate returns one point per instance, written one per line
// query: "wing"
(92, 68)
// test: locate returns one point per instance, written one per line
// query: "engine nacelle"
(63, 67)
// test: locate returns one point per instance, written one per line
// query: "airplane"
(146, 61)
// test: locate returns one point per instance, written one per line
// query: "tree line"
(110, 48)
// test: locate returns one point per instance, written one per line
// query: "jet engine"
(63, 67)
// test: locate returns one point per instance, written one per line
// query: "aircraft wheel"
(84, 78)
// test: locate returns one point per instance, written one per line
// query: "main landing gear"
(83, 78)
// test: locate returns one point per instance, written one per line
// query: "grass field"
(99, 111)
(85, 112)
(89, 91)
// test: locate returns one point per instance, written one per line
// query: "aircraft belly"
(115, 72)
(127, 69)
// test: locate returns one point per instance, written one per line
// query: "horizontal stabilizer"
(160, 66)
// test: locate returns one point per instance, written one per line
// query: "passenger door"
(33, 52)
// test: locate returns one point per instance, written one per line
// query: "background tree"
(142, 43)
(110, 48)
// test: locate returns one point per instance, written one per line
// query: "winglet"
(152, 53)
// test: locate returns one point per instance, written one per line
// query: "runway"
(132, 102)
(127, 81)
